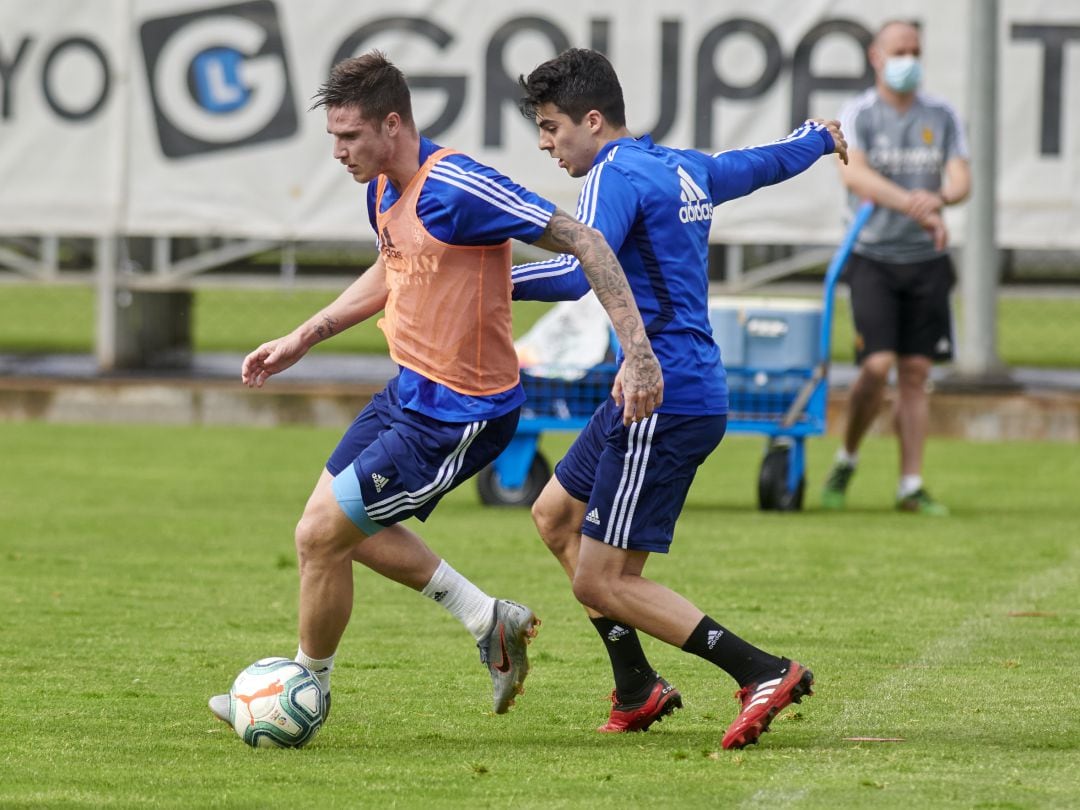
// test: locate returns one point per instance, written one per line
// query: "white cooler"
(766, 333)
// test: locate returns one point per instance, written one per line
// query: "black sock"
(633, 673)
(742, 661)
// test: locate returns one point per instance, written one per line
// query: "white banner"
(62, 107)
(185, 117)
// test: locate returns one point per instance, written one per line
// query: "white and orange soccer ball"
(276, 703)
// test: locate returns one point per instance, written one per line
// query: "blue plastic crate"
(764, 395)
(558, 398)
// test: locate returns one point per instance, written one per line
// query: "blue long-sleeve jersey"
(654, 206)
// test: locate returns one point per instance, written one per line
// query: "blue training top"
(471, 205)
(654, 205)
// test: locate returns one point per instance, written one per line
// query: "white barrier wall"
(183, 117)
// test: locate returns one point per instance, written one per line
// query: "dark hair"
(575, 81)
(371, 83)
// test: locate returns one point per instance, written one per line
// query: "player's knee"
(913, 372)
(591, 593)
(557, 526)
(313, 536)
(876, 367)
(549, 525)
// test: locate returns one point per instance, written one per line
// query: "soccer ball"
(276, 703)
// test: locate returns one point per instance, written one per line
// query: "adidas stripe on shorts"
(634, 479)
(404, 462)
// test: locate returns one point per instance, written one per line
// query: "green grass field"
(141, 568)
(1032, 331)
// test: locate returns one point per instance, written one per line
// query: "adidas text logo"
(714, 636)
(617, 632)
(696, 206)
(593, 517)
(380, 481)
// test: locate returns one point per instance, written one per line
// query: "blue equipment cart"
(776, 355)
(517, 476)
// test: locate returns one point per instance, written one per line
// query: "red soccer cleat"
(662, 701)
(762, 701)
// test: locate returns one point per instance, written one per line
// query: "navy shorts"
(902, 308)
(393, 463)
(634, 479)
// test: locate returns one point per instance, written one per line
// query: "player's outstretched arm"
(642, 381)
(739, 172)
(360, 300)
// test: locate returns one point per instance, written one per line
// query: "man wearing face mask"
(908, 154)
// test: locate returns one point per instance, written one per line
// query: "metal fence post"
(105, 342)
(977, 360)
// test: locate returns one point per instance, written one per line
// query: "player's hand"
(935, 226)
(271, 358)
(639, 387)
(839, 142)
(922, 204)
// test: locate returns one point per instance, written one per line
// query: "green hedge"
(1042, 332)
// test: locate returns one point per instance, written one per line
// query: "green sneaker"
(921, 503)
(835, 493)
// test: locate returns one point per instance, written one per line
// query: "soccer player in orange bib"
(442, 279)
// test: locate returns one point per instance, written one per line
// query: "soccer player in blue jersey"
(442, 278)
(616, 495)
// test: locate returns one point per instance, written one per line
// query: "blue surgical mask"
(902, 73)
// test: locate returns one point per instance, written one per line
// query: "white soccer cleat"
(219, 705)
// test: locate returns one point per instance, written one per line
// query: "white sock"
(472, 607)
(844, 457)
(909, 485)
(322, 667)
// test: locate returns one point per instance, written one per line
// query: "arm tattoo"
(564, 234)
(326, 328)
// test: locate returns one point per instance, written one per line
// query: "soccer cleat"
(762, 701)
(663, 699)
(835, 493)
(921, 503)
(504, 651)
(219, 705)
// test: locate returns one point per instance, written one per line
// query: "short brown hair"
(371, 83)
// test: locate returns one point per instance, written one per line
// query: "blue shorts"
(393, 463)
(634, 479)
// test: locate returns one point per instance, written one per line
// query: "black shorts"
(902, 308)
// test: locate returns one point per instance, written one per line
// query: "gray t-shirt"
(911, 149)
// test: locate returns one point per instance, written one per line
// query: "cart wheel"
(493, 493)
(772, 482)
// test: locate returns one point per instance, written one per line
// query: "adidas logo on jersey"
(380, 481)
(714, 636)
(696, 206)
(386, 245)
(593, 517)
